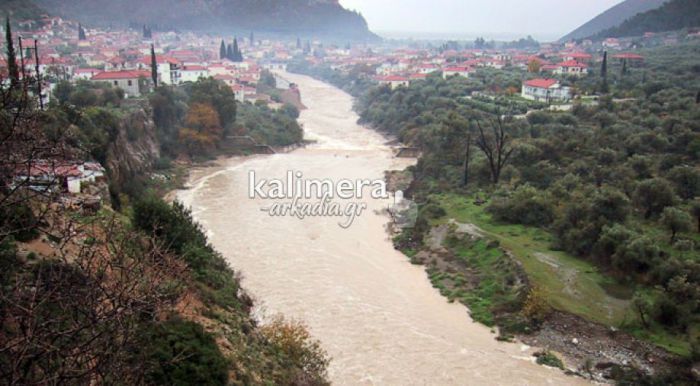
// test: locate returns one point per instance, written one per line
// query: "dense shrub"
(526, 205)
(179, 352)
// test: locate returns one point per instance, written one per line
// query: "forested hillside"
(22, 9)
(613, 17)
(287, 17)
(674, 15)
(110, 284)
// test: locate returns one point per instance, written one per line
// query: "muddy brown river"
(376, 314)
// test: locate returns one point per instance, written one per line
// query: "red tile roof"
(541, 83)
(578, 55)
(159, 59)
(194, 68)
(111, 75)
(392, 78)
(457, 69)
(571, 63)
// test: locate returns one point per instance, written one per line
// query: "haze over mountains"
(613, 17)
(673, 15)
(318, 18)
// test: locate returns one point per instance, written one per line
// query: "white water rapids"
(375, 313)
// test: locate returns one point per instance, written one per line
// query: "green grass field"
(570, 284)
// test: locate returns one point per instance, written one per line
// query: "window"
(129, 82)
(116, 83)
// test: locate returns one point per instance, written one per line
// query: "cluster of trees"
(193, 119)
(81, 32)
(196, 118)
(231, 51)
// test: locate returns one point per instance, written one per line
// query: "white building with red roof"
(456, 71)
(132, 82)
(581, 57)
(571, 67)
(168, 68)
(393, 81)
(193, 73)
(545, 90)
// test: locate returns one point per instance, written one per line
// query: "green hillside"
(674, 15)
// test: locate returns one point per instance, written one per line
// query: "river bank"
(472, 266)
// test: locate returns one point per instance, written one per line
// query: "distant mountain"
(674, 15)
(19, 10)
(613, 17)
(318, 18)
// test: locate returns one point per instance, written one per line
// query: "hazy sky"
(543, 19)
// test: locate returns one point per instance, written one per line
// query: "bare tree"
(76, 318)
(495, 146)
(467, 156)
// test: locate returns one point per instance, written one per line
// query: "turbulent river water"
(375, 313)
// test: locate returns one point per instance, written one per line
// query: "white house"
(193, 73)
(455, 71)
(275, 66)
(427, 68)
(168, 68)
(68, 176)
(571, 67)
(85, 73)
(393, 81)
(126, 80)
(545, 90)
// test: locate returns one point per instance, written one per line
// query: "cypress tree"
(229, 52)
(252, 39)
(237, 57)
(12, 68)
(154, 67)
(222, 50)
(604, 72)
(81, 32)
(624, 67)
(298, 43)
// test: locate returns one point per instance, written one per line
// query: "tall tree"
(495, 147)
(298, 43)
(604, 73)
(229, 52)
(237, 56)
(81, 32)
(251, 39)
(12, 68)
(154, 66)
(623, 72)
(222, 50)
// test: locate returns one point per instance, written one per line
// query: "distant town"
(68, 51)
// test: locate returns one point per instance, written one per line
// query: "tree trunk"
(465, 176)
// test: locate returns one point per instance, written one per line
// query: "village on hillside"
(64, 50)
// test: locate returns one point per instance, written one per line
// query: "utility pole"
(38, 74)
(21, 58)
